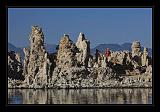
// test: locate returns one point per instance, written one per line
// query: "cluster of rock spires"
(72, 66)
(15, 69)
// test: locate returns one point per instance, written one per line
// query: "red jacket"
(108, 53)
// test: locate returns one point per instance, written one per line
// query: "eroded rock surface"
(36, 61)
(72, 66)
(15, 69)
(84, 50)
(136, 48)
(66, 53)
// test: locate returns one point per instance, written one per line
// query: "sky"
(100, 25)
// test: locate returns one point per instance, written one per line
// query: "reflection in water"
(80, 96)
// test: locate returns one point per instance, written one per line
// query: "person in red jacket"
(108, 53)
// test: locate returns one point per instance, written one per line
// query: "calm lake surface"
(80, 96)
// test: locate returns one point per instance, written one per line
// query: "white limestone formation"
(15, 69)
(35, 60)
(66, 53)
(144, 57)
(84, 48)
(136, 48)
(72, 66)
(104, 61)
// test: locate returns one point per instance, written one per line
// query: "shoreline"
(89, 88)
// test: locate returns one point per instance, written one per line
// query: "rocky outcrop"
(149, 70)
(26, 61)
(84, 50)
(68, 72)
(143, 80)
(136, 54)
(104, 61)
(145, 57)
(120, 57)
(90, 61)
(81, 77)
(15, 70)
(136, 48)
(36, 61)
(72, 66)
(66, 53)
(96, 77)
(15, 67)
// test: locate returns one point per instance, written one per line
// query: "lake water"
(80, 96)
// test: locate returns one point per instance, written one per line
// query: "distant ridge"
(117, 47)
(11, 47)
(51, 48)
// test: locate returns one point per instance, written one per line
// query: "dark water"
(80, 96)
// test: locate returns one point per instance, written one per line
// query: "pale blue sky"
(100, 25)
